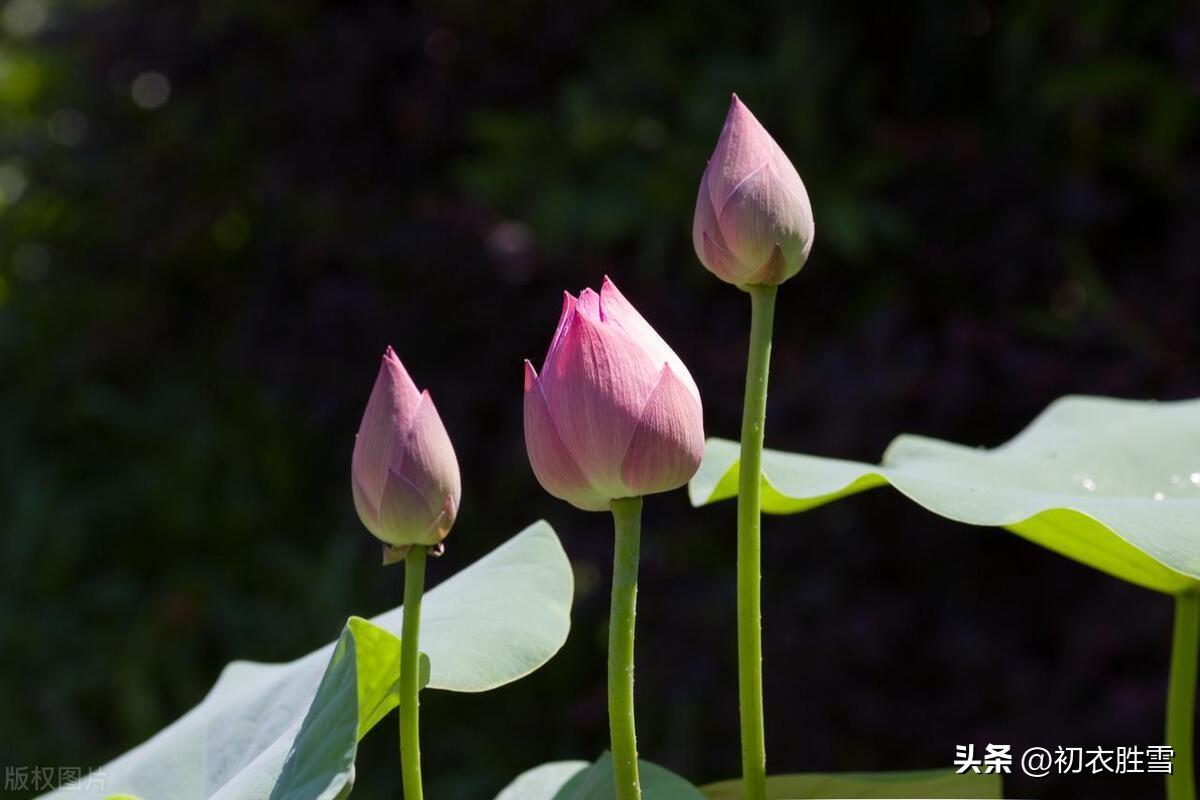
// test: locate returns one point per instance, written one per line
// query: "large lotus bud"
(753, 222)
(614, 413)
(404, 473)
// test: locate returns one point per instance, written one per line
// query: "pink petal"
(616, 310)
(426, 457)
(394, 400)
(442, 524)
(743, 147)
(760, 213)
(404, 514)
(589, 304)
(665, 450)
(367, 511)
(552, 464)
(704, 220)
(595, 389)
(564, 321)
(786, 172)
(723, 263)
(775, 271)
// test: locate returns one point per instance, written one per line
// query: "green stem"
(749, 547)
(627, 517)
(1181, 695)
(410, 679)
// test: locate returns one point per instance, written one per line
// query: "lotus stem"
(410, 679)
(1181, 695)
(627, 518)
(749, 545)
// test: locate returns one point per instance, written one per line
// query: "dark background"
(194, 295)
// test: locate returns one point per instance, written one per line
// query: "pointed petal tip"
(570, 302)
(737, 108)
(531, 375)
(394, 365)
(609, 293)
(588, 305)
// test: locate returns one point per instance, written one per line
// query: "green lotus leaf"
(927, 785)
(1114, 484)
(578, 780)
(290, 731)
(542, 782)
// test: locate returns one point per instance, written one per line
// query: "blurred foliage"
(213, 217)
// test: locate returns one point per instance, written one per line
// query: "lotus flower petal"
(615, 309)
(723, 263)
(404, 474)
(743, 147)
(704, 223)
(564, 321)
(602, 403)
(595, 393)
(751, 201)
(427, 458)
(665, 450)
(405, 513)
(390, 409)
(760, 213)
(552, 463)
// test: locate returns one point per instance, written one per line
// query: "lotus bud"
(404, 474)
(753, 222)
(614, 412)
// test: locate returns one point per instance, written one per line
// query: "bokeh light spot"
(25, 17)
(12, 184)
(67, 127)
(150, 90)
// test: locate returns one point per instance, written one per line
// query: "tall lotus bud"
(404, 474)
(753, 222)
(614, 413)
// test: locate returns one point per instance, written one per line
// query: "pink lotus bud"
(614, 413)
(753, 223)
(403, 473)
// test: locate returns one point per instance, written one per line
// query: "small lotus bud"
(404, 474)
(753, 222)
(614, 413)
